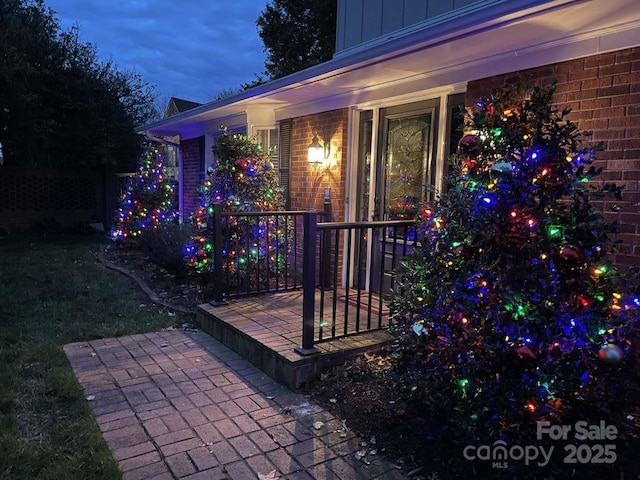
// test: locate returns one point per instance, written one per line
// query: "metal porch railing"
(255, 253)
(343, 268)
(342, 291)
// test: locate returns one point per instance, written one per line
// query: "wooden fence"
(52, 198)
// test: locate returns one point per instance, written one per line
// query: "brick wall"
(307, 184)
(191, 171)
(603, 92)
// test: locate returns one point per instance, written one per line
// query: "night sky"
(190, 49)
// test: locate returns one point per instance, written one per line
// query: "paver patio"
(180, 405)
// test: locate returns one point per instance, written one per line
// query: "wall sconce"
(318, 153)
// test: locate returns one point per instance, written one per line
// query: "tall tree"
(59, 105)
(297, 35)
(29, 59)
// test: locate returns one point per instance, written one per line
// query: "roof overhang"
(503, 36)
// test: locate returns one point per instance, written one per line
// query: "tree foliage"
(149, 202)
(59, 105)
(297, 35)
(511, 313)
(242, 179)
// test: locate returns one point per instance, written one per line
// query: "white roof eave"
(508, 29)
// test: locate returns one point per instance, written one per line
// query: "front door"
(405, 179)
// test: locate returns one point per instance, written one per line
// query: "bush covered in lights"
(149, 201)
(242, 179)
(510, 313)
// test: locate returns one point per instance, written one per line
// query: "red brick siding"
(603, 92)
(307, 184)
(190, 175)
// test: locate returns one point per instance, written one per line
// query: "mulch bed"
(184, 292)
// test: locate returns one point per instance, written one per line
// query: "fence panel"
(29, 196)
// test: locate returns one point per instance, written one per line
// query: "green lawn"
(53, 292)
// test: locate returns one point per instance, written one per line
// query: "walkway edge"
(153, 296)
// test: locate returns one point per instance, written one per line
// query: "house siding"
(603, 92)
(192, 158)
(362, 20)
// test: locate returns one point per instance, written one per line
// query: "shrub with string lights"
(510, 313)
(242, 179)
(149, 201)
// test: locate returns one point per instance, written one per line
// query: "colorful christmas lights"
(241, 180)
(150, 200)
(511, 291)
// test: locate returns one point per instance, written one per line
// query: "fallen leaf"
(318, 425)
(272, 475)
(414, 471)
(360, 454)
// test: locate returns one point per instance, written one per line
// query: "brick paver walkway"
(177, 404)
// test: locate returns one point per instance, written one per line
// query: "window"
(268, 138)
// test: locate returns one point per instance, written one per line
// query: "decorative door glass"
(406, 169)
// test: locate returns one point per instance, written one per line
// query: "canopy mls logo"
(586, 452)
(500, 453)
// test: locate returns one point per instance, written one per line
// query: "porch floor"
(265, 330)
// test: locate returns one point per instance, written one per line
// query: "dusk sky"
(190, 49)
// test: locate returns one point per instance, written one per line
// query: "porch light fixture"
(318, 152)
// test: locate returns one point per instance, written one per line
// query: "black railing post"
(326, 243)
(218, 275)
(309, 223)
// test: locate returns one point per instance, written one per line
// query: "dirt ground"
(184, 292)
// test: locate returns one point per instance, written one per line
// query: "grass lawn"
(53, 292)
